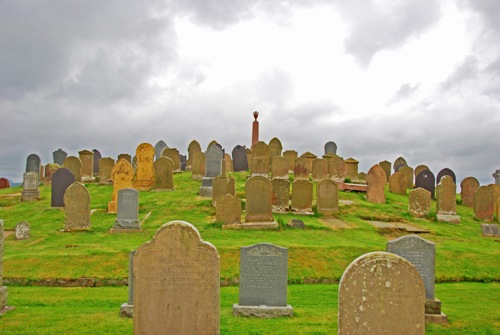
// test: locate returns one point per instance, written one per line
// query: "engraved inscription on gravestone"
(128, 210)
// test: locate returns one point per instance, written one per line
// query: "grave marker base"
(263, 311)
(126, 310)
(433, 312)
(448, 218)
(253, 225)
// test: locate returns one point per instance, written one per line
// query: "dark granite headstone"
(446, 172)
(59, 156)
(240, 159)
(183, 160)
(426, 180)
(97, 158)
(61, 180)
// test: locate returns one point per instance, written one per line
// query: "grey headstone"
(33, 163)
(127, 308)
(61, 180)
(159, 146)
(496, 175)
(97, 157)
(240, 159)
(296, 223)
(419, 252)
(59, 156)
(426, 180)
(183, 159)
(263, 275)
(30, 187)
(128, 210)
(446, 172)
(22, 231)
(330, 148)
(213, 159)
(490, 230)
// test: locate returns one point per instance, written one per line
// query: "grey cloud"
(405, 91)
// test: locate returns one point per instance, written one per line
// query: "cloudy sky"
(381, 78)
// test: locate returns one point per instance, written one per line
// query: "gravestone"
(183, 159)
(310, 158)
(485, 199)
(61, 180)
(159, 146)
(258, 192)
(145, 173)
(408, 173)
(193, 148)
(300, 168)
(468, 187)
(240, 161)
(327, 199)
(375, 181)
(490, 230)
(446, 172)
(22, 231)
(127, 218)
(422, 255)
(381, 293)
(227, 163)
(336, 167)
(50, 169)
(302, 196)
(420, 168)
(127, 308)
(228, 210)
(399, 163)
(222, 185)
(106, 165)
(446, 203)
(74, 165)
(386, 166)
(496, 175)
(198, 166)
(279, 167)
(87, 159)
(261, 159)
(280, 195)
(419, 202)
(174, 155)
(122, 175)
(164, 174)
(59, 156)
(176, 283)
(275, 147)
(126, 157)
(33, 163)
(290, 155)
(76, 208)
(97, 159)
(30, 190)
(319, 169)
(397, 183)
(4, 183)
(213, 168)
(3, 289)
(296, 224)
(351, 168)
(249, 157)
(425, 179)
(263, 282)
(330, 148)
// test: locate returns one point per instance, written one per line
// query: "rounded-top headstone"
(446, 172)
(330, 148)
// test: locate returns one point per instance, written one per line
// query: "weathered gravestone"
(106, 165)
(490, 230)
(327, 199)
(485, 200)
(175, 156)
(22, 231)
(61, 180)
(33, 163)
(222, 185)
(446, 172)
(164, 174)
(176, 283)
(74, 164)
(422, 255)
(330, 148)
(59, 156)
(381, 293)
(280, 195)
(375, 181)
(76, 208)
(279, 167)
(127, 218)
(97, 159)
(4, 183)
(213, 168)
(261, 159)
(275, 147)
(319, 169)
(122, 175)
(420, 168)
(228, 210)
(351, 168)
(87, 159)
(399, 163)
(290, 155)
(446, 203)
(227, 163)
(263, 282)
(127, 308)
(30, 190)
(258, 191)
(193, 148)
(496, 175)
(3, 289)
(126, 157)
(50, 169)
(240, 159)
(425, 179)
(302, 196)
(408, 173)
(336, 167)
(300, 168)
(310, 158)
(159, 146)
(419, 202)
(183, 159)
(145, 173)
(397, 183)
(468, 187)
(198, 166)
(386, 166)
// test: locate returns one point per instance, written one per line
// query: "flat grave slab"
(398, 226)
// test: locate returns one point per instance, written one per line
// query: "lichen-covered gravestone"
(176, 283)
(76, 208)
(106, 165)
(397, 183)
(280, 195)
(259, 203)
(145, 172)
(30, 190)
(228, 210)
(419, 202)
(279, 167)
(22, 231)
(302, 196)
(446, 204)
(468, 187)
(74, 164)
(375, 180)
(122, 175)
(327, 198)
(381, 293)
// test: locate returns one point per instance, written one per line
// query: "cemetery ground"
(74, 283)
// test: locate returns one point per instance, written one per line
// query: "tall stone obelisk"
(255, 128)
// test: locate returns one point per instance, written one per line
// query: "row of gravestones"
(379, 293)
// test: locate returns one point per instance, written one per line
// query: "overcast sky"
(382, 79)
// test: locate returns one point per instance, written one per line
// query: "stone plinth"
(263, 311)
